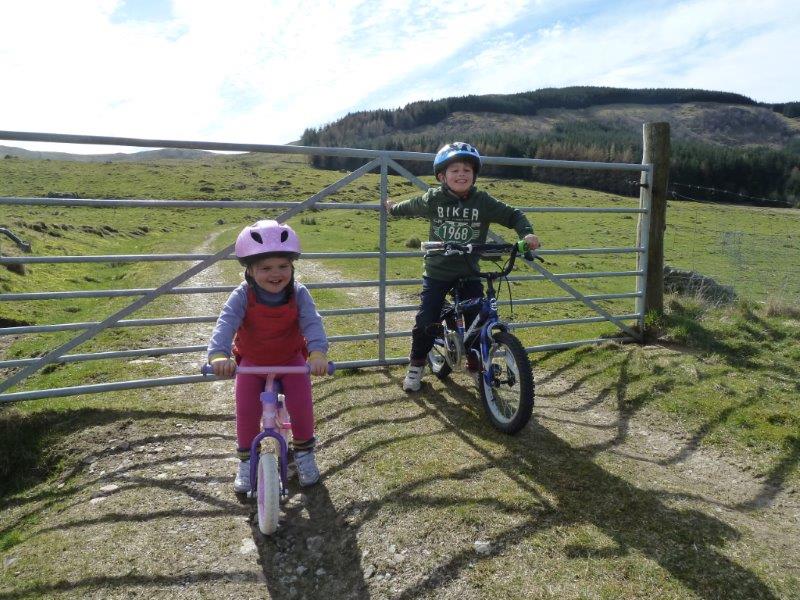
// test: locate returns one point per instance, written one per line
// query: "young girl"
(457, 212)
(269, 320)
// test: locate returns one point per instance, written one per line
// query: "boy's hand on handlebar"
(388, 204)
(318, 363)
(223, 366)
(532, 241)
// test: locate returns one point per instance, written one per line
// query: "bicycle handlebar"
(470, 248)
(206, 369)
(484, 251)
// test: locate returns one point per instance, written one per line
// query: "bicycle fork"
(491, 371)
(275, 424)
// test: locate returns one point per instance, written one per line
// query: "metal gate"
(383, 161)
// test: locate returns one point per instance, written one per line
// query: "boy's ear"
(440, 177)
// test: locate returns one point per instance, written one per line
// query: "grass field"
(739, 338)
(728, 374)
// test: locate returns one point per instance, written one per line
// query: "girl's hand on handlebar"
(318, 363)
(532, 241)
(223, 367)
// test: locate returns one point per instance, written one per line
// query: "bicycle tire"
(268, 493)
(508, 410)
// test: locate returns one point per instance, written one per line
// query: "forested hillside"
(720, 140)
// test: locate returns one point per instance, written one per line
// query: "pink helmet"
(266, 237)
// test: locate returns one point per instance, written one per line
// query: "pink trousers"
(296, 389)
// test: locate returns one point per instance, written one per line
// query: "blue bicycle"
(505, 380)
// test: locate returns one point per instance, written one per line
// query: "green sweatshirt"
(455, 220)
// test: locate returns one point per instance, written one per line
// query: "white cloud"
(699, 44)
(260, 71)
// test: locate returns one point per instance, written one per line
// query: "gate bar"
(53, 355)
(259, 204)
(27, 136)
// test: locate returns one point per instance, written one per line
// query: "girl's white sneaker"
(307, 471)
(241, 483)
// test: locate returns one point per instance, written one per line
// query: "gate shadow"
(683, 542)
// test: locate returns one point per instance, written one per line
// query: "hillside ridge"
(719, 140)
(143, 155)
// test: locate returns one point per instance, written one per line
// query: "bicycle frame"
(274, 418)
(485, 321)
(275, 421)
(488, 318)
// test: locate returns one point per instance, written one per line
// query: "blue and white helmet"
(456, 151)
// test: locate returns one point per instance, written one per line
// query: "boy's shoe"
(306, 464)
(413, 380)
(241, 484)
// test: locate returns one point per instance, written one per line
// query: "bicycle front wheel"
(508, 398)
(268, 494)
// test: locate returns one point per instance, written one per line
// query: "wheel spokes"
(437, 355)
(505, 396)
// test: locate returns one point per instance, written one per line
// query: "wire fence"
(753, 249)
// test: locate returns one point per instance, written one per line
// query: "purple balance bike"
(269, 462)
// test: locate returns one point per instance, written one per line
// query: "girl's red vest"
(269, 335)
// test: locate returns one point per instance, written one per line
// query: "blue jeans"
(432, 297)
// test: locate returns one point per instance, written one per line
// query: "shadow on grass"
(182, 485)
(740, 354)
(155, 583)
(752, 339)
(693, 444)
(777, 477)
(31, 448)
(321, 549)
(683, 542)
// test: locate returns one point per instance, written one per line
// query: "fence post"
(382, 262)
(650, 234)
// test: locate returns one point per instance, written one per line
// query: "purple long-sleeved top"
(232, 314)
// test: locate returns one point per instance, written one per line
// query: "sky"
(261, 71)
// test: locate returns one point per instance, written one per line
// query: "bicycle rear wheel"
(437, 359)
(442, 347)
(508, 399)
(268, 493)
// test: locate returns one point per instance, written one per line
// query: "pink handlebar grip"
(207, 370)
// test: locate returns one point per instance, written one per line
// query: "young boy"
(458, 212)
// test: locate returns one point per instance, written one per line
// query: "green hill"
(720, 140)
(145, 155)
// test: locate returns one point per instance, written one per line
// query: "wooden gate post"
(656, 151)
